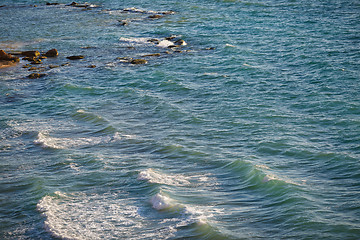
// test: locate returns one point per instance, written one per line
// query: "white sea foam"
(83, 216)
(46, 141)
(153, 176)
(135, 40)
(165, 43)
(161, 202)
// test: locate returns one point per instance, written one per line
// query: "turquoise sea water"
(250, 131)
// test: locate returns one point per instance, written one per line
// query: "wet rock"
(8, 57)
(30, 59)
(154, 40)
(139, 61)
(76, 57)
(31, 53)
(49, 4)
(152, 55)
(36, 75)
(36, 69)
(91, 66)
(156, 16)
(7, 60)
(180, 42)
(210, 48)
(52, 53)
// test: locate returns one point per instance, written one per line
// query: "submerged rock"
(152, 55)
(75, 57)
(156, 16)
(49, 4)
(139, 61)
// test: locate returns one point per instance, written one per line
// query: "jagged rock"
(7, 60)
(139, 61)
(52, 53)
(75, 57)
(31, 53)
(8, 57)
(36, 75)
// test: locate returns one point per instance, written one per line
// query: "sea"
(240, 121)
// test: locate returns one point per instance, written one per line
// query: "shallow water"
(250, 131)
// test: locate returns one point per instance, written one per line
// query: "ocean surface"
(248, 130)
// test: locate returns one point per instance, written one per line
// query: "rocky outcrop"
(7, 60)
(34, 54)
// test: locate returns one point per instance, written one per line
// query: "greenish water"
(250, 131)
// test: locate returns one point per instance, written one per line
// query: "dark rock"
(30, 59)
(75, 57)
(36, 75)
(52, 53)
(152, 55)
(139, 61)
(156, 16)
(210, 48)
(36, 61)
(154, 40)
(49, 4)
(91, 66)
(170, 38)
(31, 53)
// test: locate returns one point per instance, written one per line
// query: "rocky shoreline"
(151, 47)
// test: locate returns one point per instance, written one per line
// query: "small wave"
(161, 202)
(46, 141)
(134, 40)
(161, 178)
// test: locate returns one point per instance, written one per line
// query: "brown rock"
(8, 57)
(75, 57)
(52, 53)
(139, 61)
(91, 66)
(36, 75)
(31, 53)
